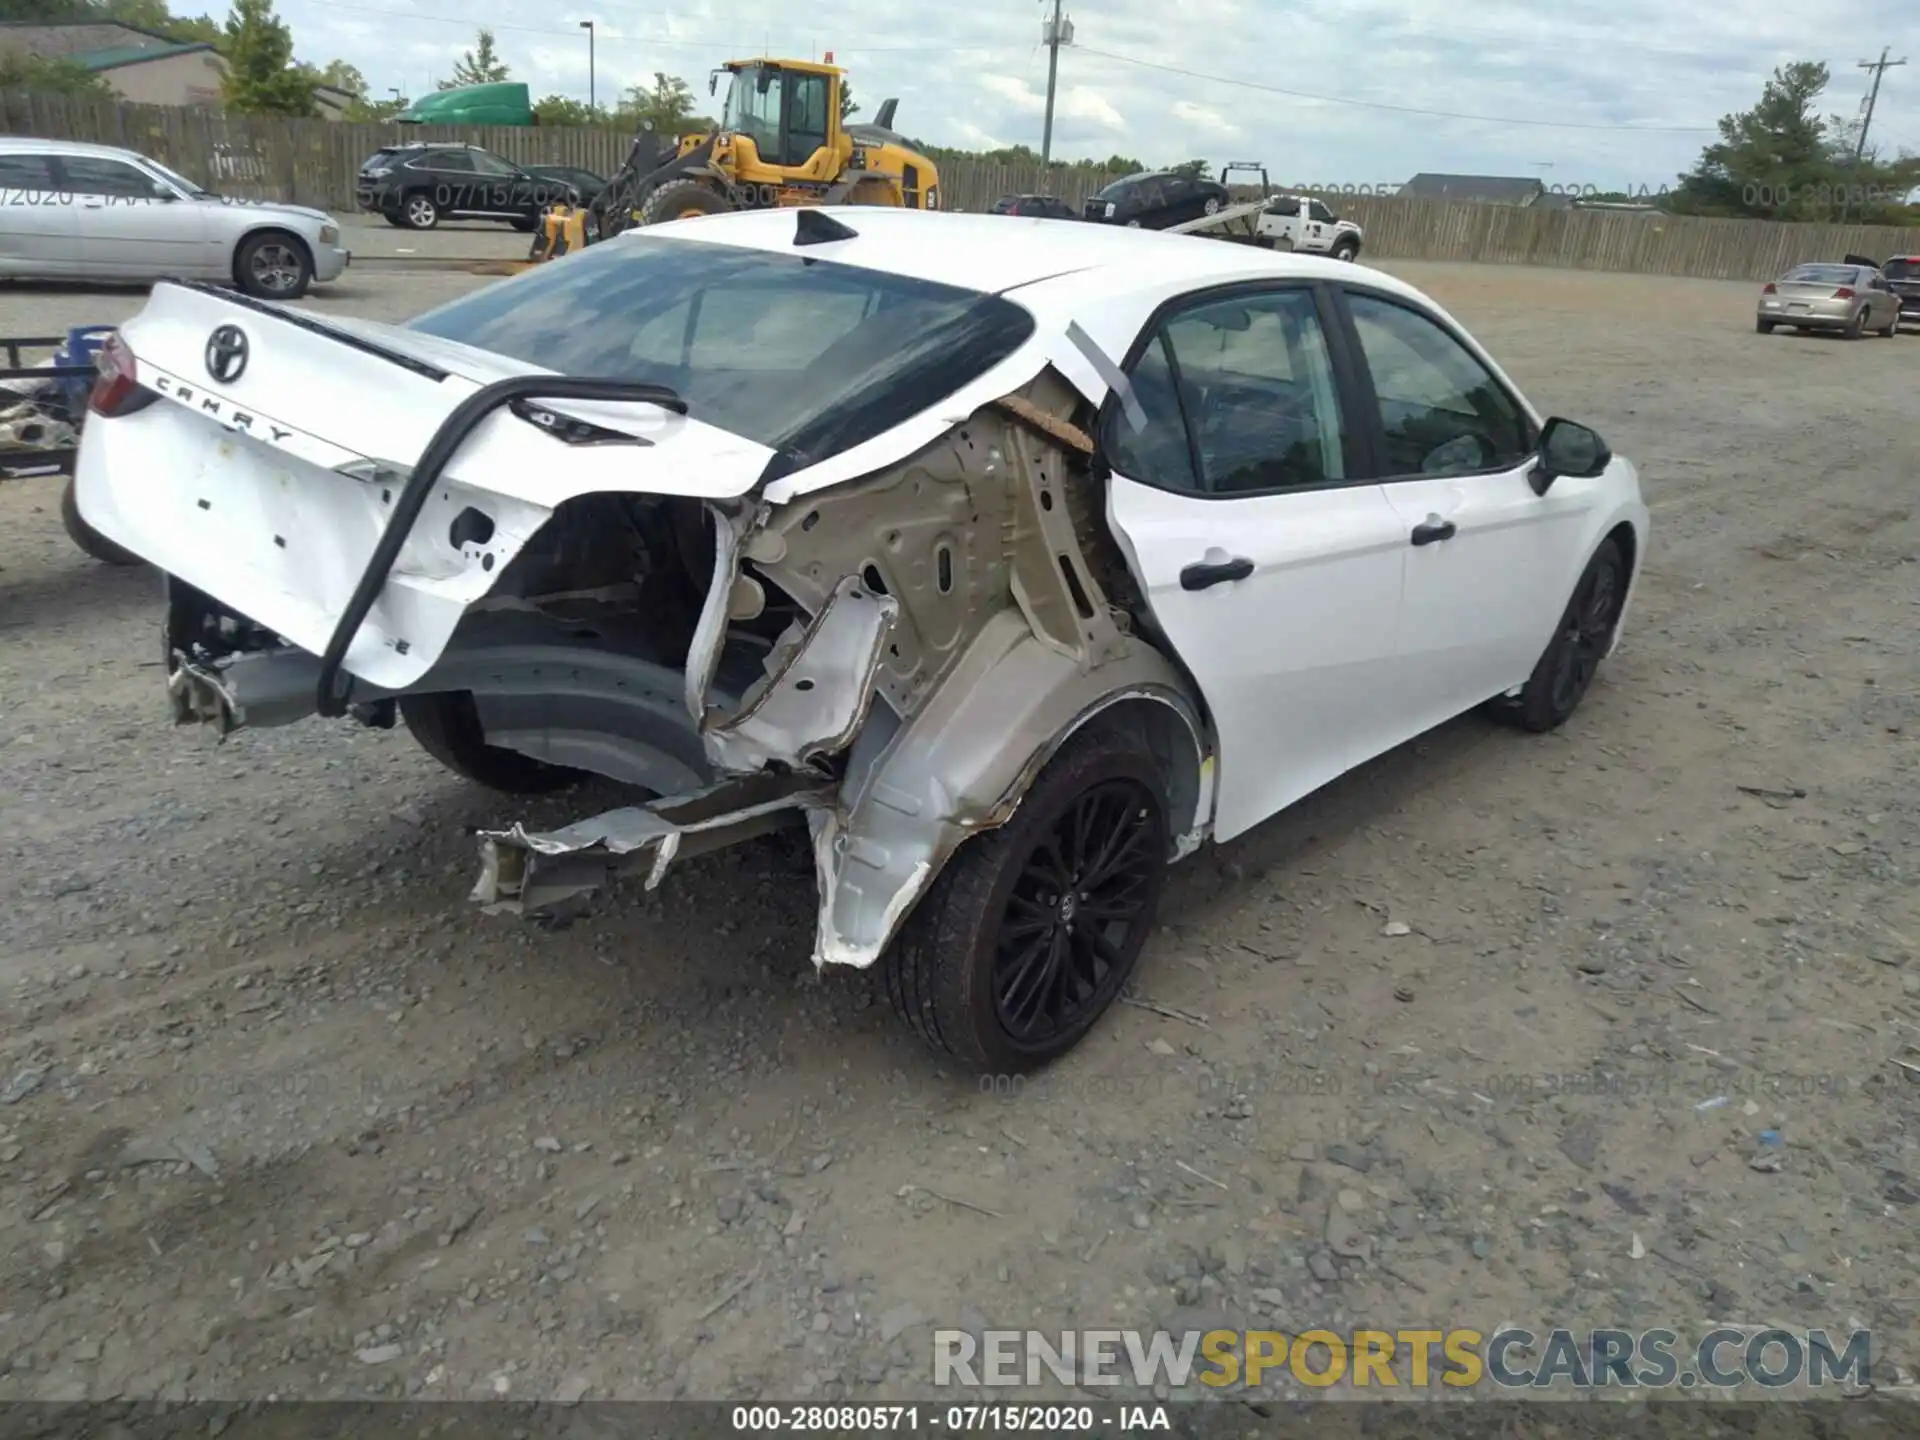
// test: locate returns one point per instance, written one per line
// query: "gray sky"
(1632, 87)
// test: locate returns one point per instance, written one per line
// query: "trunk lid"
(269, 488)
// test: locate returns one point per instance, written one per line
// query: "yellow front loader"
(780, 143)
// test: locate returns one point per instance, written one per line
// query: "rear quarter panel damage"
(969, 611)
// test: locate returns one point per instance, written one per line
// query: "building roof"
(114, 57)
(1495, 189)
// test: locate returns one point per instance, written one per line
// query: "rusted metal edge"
(1051, 426)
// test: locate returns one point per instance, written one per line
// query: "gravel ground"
(1593, 1028)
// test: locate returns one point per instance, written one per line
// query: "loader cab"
(789, 111)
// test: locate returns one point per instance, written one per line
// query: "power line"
(1396, 109)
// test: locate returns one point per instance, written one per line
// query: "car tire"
(1133, 224)
(1580, 642)
(273, 265)
(1856, 324)
(447, 727)
(1765, 327)
(418, 212)
(90, 540)
(1212, 206)
(943, 971)
(682, 200)
(1345, 250)
(1892, 327)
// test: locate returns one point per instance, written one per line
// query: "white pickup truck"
(1299, 222)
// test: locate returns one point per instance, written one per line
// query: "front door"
(1487, 559)
(131, 226)
(1273, 575)
(39, 220)
(808, 126)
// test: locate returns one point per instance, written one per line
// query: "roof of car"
(26, 144)
(994, 253)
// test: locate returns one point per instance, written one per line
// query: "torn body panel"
(968, 612)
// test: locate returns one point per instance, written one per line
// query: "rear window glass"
(1824, 275)
(805, 356)
(1902, 269)
(1121, 187)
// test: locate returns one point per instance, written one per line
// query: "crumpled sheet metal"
(816, 699)
(524, 871)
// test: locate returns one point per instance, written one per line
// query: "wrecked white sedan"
(1015, 558)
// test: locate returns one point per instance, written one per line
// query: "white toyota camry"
(1015, 558)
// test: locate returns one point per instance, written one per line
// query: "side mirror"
(163, 191)
(1567, 449)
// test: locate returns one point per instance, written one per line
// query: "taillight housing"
(1845, 292)
(1770, 289)
(117, 390)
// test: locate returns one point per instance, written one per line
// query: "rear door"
(1274, 573)
(132, 227)
(39, 220)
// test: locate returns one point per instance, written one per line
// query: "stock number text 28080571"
(962, 1419)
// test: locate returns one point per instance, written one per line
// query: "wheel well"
(1629, 543)
(265, 230)
(1169, 737)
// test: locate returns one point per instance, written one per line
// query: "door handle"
(1435, 529)
(1200, 576)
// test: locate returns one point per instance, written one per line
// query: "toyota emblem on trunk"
(227, 354)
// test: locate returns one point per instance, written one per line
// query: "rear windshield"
(1824, 275)
(1906, 269)
(1120, 187)
(802, 355)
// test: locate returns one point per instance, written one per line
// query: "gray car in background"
(1851, 298)
(95, 213)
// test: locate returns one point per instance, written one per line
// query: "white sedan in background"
(94, 213)
(1016, 559)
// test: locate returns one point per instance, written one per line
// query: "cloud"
(1607, 93)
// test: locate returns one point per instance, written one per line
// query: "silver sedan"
(1850, 298)
(96, 213)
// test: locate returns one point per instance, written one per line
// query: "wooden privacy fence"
(315, 162)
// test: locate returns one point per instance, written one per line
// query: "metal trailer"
(42, 408)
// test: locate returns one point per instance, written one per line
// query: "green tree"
(145, 14)
(563, 110)
(1782, 160)
(665, 107)
(1193, 169)
(481, 65)
(849, 107)
(51, 74)
(261, 77)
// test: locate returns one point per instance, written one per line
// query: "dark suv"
(1045, 207)
(418, 185)
(1156, 199)
(1902, 274)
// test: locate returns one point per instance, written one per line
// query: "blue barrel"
(82, 347)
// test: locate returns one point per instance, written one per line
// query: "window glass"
(1442, 411)
(795, 353)
(1257, 383)
(447, 160)
(26, 172)
(487, 164)
(93, 175)
(1318, 211)
(1150, 444)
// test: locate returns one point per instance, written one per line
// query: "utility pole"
(1878, 67)
(1053, 75)
(592, 97)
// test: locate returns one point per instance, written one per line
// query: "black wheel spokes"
(1585, 640)
(1071, 917)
